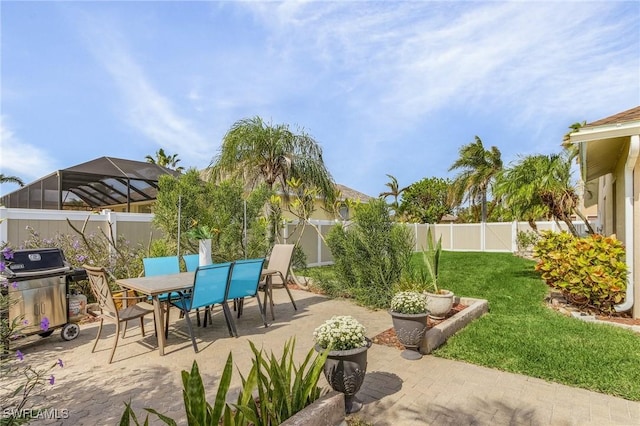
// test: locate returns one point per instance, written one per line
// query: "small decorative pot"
(345, 371)
(439, 304)
(410, 329)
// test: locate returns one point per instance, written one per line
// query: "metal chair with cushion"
(210, 286)
(166, 265)
(278, 273)
(245, 279)
(108, 310)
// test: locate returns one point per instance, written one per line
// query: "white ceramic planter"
(439, 304)
(204, 251)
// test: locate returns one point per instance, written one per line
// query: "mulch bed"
(389, 338)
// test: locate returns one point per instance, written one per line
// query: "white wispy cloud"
(145, 108)
(19, 158)
(396, 63)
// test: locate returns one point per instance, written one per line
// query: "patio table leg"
(159, 314)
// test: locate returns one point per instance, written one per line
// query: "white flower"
(409, 302)
(340, 333)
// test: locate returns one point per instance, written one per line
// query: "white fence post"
(4, 225)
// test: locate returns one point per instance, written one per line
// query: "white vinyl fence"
(138, 228)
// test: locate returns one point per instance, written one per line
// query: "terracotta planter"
(439, 304)
(410, 329)
(345, 371)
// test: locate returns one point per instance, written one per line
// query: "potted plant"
(409, 314)
(203, 234)
(346, 363)
(439, 301)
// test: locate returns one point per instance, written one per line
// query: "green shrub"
(370, 254)
(525, 240)
(589, 271)
(119, 256)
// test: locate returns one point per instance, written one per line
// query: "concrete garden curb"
(326, 411)
(437, 335)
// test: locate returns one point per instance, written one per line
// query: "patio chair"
(279, 262)
(191, 261)
(210, 286)
(167, 265)
(107, 302)
(245, 279)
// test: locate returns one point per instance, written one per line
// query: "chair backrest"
(245, 278)
(211, 284)
(161, 265)
(191, 261)
(100, 287)
(280, 260)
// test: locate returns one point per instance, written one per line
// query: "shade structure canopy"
(99, 183)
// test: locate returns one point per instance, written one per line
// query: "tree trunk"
(483, 218)
(584, 219)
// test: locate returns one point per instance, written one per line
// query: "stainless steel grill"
(39, 282)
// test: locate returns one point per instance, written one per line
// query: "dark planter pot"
(345, 371)
(410, 329)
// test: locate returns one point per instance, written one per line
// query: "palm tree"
(164, 160)
(571, 148)
(394, 191)
(273, 154)
(538, 186)
(479, 169)
(11, 179)
(259, 152)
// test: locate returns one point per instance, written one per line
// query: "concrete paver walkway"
(430, 391)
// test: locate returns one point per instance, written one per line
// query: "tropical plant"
(259, 152)
(431, 259)
(223, 207)
(426, 201)
(340, 333)
(201, 232)
(525, 240)
(116, 254)
(164, 160)
(589, 271)
(538, 186)
(571, 148)
(394, 191)
(283, 389)
(409, 302)
(370, 253)
(479, 168)
(11, 179)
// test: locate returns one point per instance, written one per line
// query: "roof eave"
(609, 131)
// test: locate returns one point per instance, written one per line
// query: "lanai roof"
(103, 182)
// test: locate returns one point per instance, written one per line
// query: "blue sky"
(384, 87)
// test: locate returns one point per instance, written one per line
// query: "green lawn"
(521, 335)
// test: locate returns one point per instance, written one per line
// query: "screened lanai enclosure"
(103, 183)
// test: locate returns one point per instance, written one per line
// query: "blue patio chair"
(245, 279)
(210, 286)
(167, 265)
(191, 261)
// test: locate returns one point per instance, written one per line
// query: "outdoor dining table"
(154, 287)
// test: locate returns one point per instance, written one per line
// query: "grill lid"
(37, 261)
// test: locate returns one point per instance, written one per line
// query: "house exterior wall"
(611, 205)
(636, 238)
